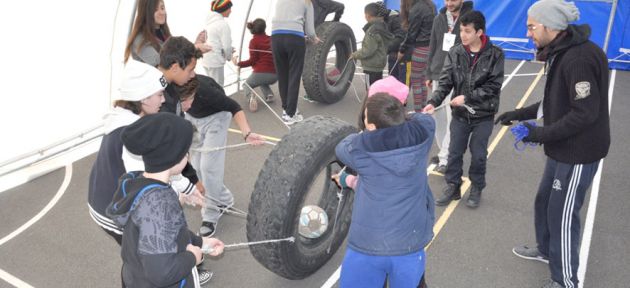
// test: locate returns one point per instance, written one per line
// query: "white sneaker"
(292, 120)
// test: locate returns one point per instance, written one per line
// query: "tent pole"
(611, 19)
(240, 49)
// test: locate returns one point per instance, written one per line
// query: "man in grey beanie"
(575, 134)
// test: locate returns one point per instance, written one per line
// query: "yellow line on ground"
(439, 224)
(264, 136)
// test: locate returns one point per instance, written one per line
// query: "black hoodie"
(156, 234)
(575, 104)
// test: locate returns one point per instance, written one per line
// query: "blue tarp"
(505, 21)
(620, 37)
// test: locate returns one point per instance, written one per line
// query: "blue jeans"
(365, 271)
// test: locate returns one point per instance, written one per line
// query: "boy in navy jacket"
(393, 213)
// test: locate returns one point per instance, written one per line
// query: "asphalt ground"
(472, 248)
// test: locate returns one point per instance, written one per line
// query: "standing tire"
(317, 84)
(297, 173)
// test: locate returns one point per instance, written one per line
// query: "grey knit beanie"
(554, 14)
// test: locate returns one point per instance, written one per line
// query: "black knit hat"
(162, 140)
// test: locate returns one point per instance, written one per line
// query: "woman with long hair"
(417, 18)
(150, 31)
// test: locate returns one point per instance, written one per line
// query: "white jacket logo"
(556, 185)
(582, 90)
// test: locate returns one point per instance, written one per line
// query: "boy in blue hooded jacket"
(393, 212)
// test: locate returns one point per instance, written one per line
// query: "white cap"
(139, 81)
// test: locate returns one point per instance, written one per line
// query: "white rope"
(267, 105)
(393, 66)
(355, 91)
(263, 51)
(214, 149)
(208, 250)
(470, 109)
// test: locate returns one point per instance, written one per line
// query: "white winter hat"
(140, 80)
(554, 14)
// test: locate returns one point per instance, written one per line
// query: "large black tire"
(280, 191)
(316, 83)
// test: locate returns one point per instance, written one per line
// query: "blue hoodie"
(393, 210)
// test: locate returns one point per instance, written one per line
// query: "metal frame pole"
(240, 49)
(611, 21)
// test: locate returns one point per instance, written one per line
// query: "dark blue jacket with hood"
(393, 210)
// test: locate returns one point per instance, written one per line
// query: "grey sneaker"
(552, 284)
(526, 252)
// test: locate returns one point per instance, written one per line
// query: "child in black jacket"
(158, 249)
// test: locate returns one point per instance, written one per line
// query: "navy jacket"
(393, 210)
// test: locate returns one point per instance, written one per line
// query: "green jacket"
(373, 53)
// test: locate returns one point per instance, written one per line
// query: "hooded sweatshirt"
(156, 234)
(393, 210)
(373, 53)
(575, 103)
(220, 39)
(112, 161)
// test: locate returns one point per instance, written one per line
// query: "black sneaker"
(204, 275)
(526, 252)
(440, 169)
(451, 192)
(207, 229)
(435, 160)
(474, 197)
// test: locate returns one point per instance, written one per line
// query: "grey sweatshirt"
(294, 15)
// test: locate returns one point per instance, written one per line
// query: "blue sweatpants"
(365, 271)
(557, 216)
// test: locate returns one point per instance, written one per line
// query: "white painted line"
(62, 189)
(335, 276)
(333, 279)
(525, 74)
(592, 204)
(513, 74)
(13, 280)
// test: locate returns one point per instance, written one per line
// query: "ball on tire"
(313, 222)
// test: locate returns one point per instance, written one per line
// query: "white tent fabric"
(63, 61)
